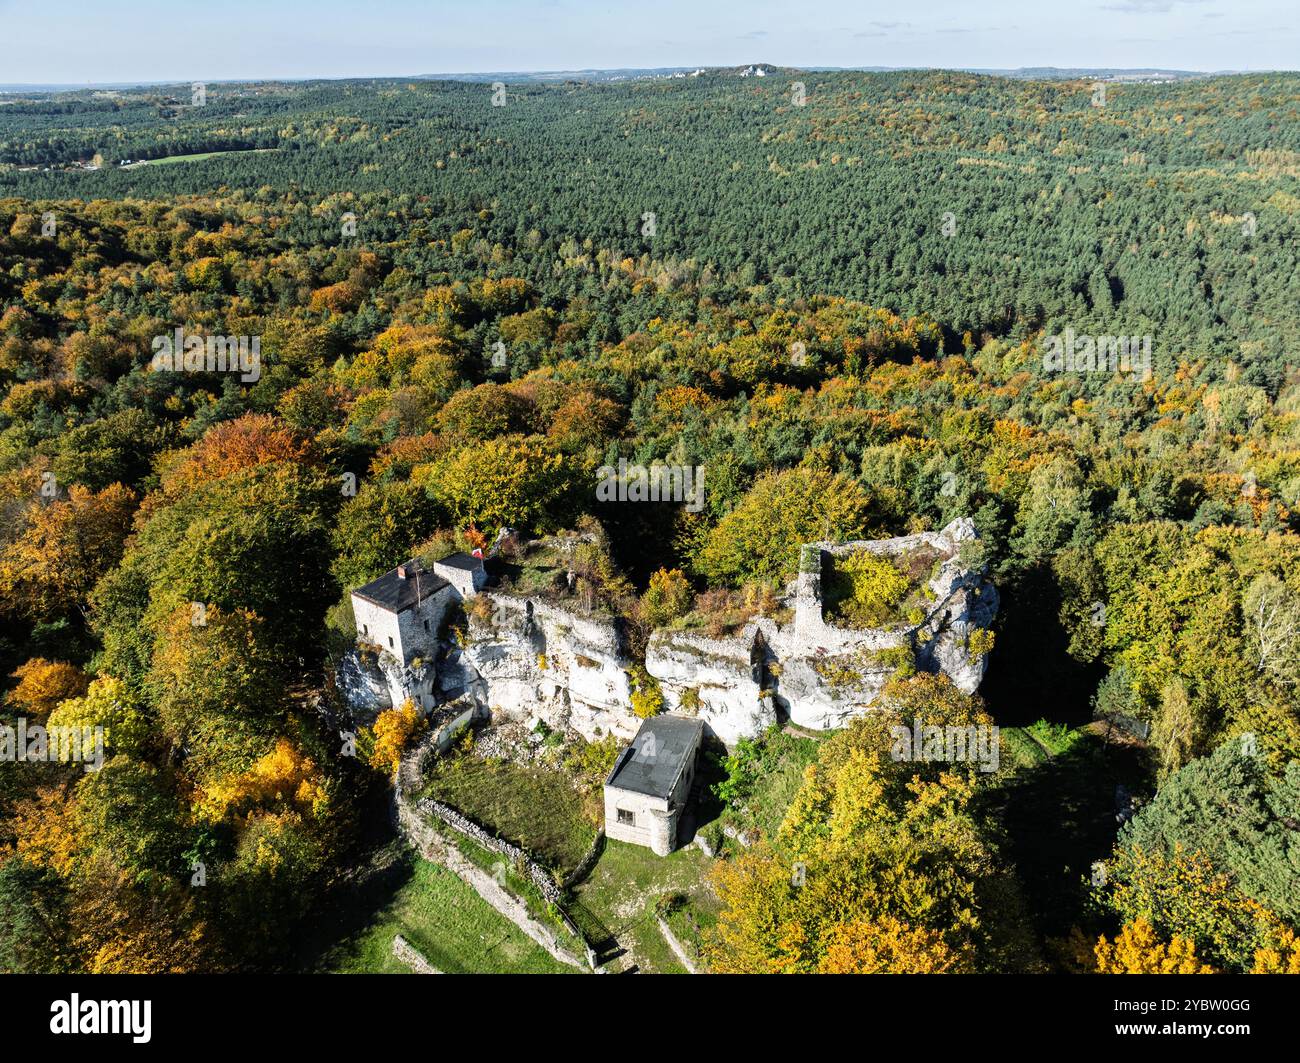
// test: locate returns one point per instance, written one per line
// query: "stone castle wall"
(818, 674)
(529, 659)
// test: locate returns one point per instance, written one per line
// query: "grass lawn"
(691, 920)
(1019, 750)
(538, 570)
(533, 806)
(622, 892)
(1056, 738)
(1059, 817)
(517, 884)
(768, 773)
(455, 929)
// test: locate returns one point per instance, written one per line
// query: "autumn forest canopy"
(837, 310)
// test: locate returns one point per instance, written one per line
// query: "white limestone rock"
(363, 685)
(529, 658)
(716, 679)
(826, 692)
(816, 673)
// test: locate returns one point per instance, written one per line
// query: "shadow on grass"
(597, 934)
(1032, 667)
(380, 872)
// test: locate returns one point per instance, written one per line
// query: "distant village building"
(401, 611)
(650, 786)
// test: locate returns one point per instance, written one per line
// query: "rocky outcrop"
(817, 674)
(527, 659)
(718, 680)
(372, 680)
(363, 684)
(966, 603)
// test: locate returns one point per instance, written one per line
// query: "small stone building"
(648, 790)
(463, 571)
(400, 612)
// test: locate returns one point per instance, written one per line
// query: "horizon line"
(18, 86)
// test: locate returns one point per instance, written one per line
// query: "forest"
(695, 272)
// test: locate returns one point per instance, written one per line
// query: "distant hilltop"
(1026, 73)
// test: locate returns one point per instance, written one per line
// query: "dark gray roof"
(461, 560)
(657, 756)
(398, 595)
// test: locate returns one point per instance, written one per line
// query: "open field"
(622, 893)
(171, 160)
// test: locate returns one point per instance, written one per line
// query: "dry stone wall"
(462, 824)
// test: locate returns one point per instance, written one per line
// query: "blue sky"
(79, 41)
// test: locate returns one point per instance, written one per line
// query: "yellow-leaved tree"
(42, 684)
(1279, 957)
(64, 547)
(887, 945)
(283, 778)
(108, 703)
(394, 730)
(1138, 950)
(882, 864)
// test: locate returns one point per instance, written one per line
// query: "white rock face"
(965, 609)
(371, 682)
(532, 660)
(817, 697)
(526, 659)
(819, 675)
(711, 678)
(363, 685)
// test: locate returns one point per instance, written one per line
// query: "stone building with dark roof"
(650, 785)
(463, 571)
(400, 612)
